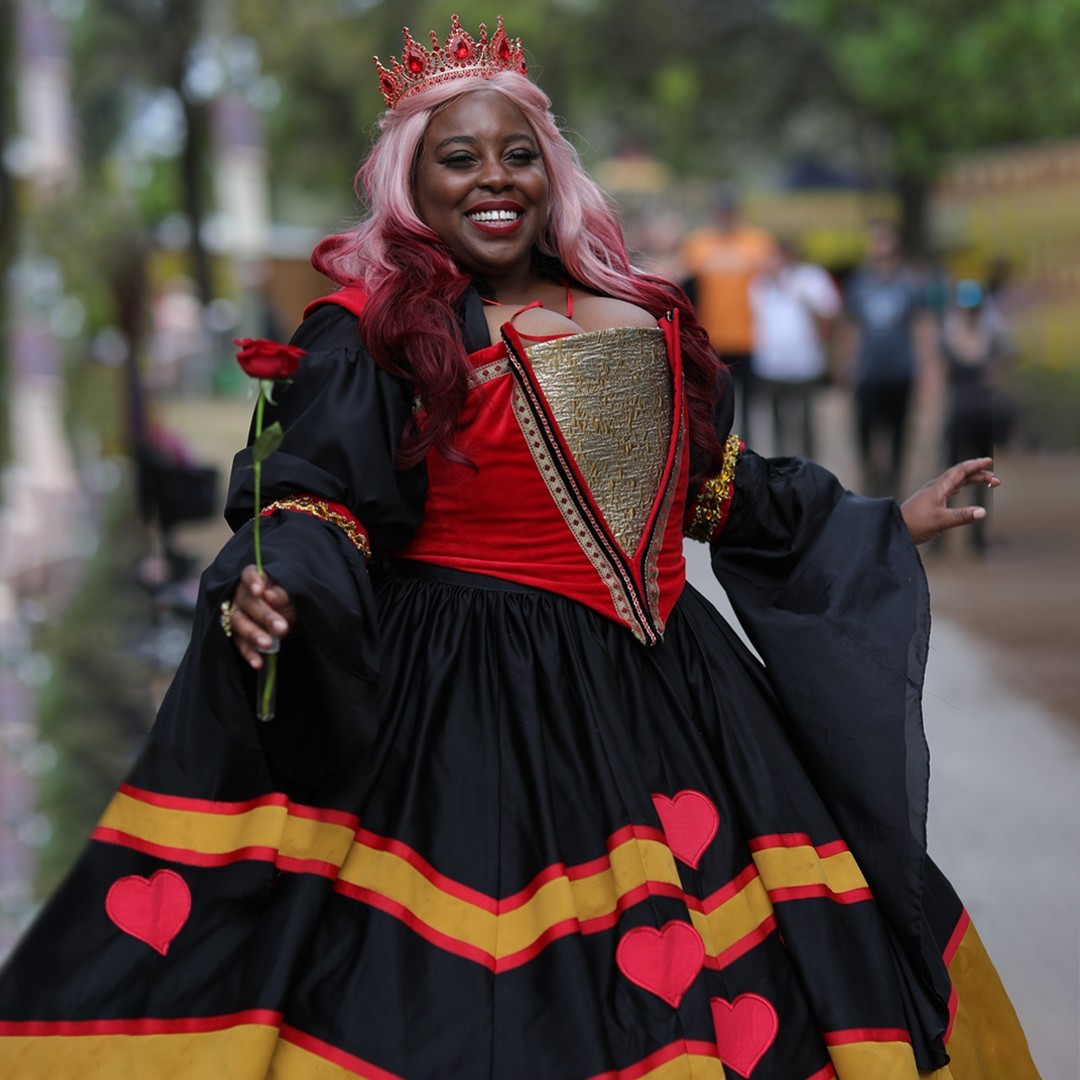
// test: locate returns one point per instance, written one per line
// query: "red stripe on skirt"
(742, 946)
(188, 1025)
(213, 859)
(331, 1053)
(212, 806)
(860, 1035)
(684, 1047)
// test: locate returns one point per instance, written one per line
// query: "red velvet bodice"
(576, 476)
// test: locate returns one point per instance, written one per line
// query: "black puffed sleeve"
(830, 589)
(343, 419)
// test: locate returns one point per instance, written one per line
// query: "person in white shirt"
(795, 305)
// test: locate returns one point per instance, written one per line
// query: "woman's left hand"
(927, 513)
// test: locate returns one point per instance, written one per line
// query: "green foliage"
(93, 235)
(938, 77)
(951, 75)
(685, 86)
(676, 87)
(709, 87)
(119, 48)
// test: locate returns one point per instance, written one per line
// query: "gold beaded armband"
(333, 512)
(714, 499)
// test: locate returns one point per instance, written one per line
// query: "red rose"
(262, 359)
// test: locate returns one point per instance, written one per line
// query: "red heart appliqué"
(690, 821)
(152, 909)
(745, 1029)
(664, 962)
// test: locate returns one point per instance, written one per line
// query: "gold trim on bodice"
(494, 369)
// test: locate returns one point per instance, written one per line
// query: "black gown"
(492, 834)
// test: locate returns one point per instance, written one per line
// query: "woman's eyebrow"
(472, 140)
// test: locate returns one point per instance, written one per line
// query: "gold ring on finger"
(226, 617)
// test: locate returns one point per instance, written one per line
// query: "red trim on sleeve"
(325, 510)
(337, 508)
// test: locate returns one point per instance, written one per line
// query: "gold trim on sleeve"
(711, 505)
(324, 511)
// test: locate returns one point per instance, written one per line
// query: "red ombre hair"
(414, 287)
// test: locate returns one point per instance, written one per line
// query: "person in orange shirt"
(721, 260)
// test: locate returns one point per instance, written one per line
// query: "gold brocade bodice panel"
(611, 394)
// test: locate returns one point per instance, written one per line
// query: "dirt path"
(1023, 596)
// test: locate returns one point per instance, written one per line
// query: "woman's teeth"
(491, 216)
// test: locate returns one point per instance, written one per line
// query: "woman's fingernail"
(978, 513)
(280, 625)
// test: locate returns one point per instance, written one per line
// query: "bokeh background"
(167, 165)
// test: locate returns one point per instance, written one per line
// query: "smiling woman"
(482, 187)
(528, 807)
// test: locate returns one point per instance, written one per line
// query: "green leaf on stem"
(267, 442)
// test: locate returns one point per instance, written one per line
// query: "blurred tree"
(149, 43)
(940, 76)
(7, 202)
(324, 123)
(319, 131)
(695, 86)
(710, 88)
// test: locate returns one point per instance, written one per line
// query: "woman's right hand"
(261, 610)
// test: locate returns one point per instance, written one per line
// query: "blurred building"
(1019, 207)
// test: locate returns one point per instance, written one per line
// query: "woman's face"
(481, 185)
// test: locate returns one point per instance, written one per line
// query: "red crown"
(420, 68)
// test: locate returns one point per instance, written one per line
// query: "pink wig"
(413, 283)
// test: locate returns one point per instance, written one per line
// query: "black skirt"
(562, 854)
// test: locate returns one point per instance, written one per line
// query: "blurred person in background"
(720, 261)
(528, 806)
(655, 237)
(794, 305)
(999, 277)
(179, 334)
(973, 349)
(888, 325)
